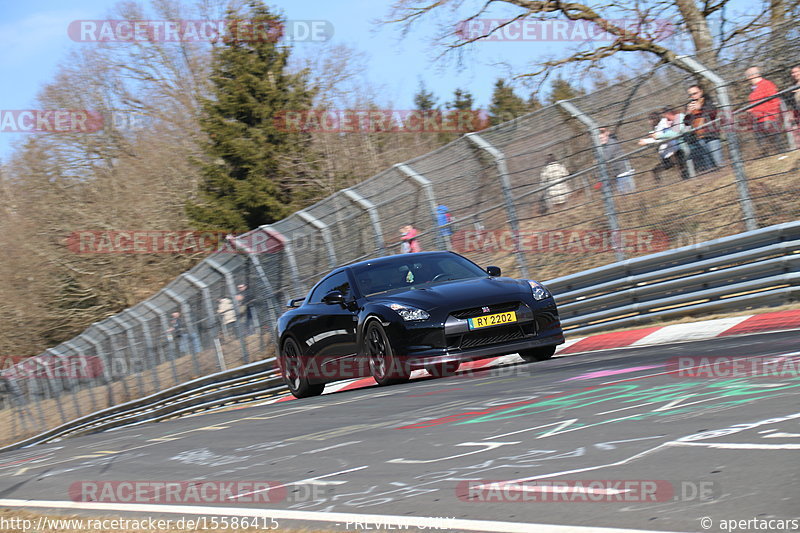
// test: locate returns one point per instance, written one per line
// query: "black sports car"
(386, 317)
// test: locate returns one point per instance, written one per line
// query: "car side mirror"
(295, 302)
(493, 271)
(334, 297)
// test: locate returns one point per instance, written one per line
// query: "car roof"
(389, 258)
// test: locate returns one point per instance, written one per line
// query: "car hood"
(457, 294)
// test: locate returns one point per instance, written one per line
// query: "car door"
(332, 328)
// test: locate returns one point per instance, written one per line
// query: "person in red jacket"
(408, 236)
(766, 115)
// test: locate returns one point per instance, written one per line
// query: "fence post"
(505, 184)
(84, 361)
(288, 249)
(267, 286)
(162, 316)
(724, 101)
(229, 283)
(427, 186)
(326, 235)
(192, 336)
(213, 328)
(372, 211)
(608, 197)
(150, 347)
(107, 378)
(69, 378)
(114, 350)
(135, 358)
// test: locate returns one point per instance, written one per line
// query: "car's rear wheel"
(440, 370)
(293, 373)
(541, 353)
(384, 365)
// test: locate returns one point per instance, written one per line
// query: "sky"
(34, 41)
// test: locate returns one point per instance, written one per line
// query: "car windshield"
(410, 271)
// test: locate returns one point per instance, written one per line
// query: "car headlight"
(409, 313)
(538, 290)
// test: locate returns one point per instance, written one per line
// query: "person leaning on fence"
(766, 115)
(619, 168)
(792, 99)
(704, 142)
(408, 236)
(556, 193)
(667, 128)
(226, 314)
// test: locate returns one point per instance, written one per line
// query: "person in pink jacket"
(410, 243)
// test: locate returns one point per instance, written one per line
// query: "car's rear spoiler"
(295, 302)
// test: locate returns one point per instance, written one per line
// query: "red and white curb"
(693, 331)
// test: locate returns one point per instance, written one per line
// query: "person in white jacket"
(553, 173)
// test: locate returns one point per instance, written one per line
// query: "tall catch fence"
(607, 206)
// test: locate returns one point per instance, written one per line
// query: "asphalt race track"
(517, 444)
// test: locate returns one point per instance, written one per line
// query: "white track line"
(393, 521)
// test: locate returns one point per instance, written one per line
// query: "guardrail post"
(372, 211)
(162, 316)
(326, 235)
(266, 285)
(188, 324)
(98, 350)
(427, 187)
(135, 357)
(608, 197)
(724, 101)
(511, 210)
(150, 347)
(84, 362)
(231, 286)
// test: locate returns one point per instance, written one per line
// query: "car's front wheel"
(440, 370)
(541, 353)
(293, 373)
(384, 364)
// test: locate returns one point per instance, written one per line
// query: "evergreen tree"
(461, 114)
(506, 104)
(250, 151)
(563, 90)
(424, 100)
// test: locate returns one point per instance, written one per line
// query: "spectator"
(177, 330)
(619, 168)
(244, 301)
(443, 219)
(793, 103)
(226, 314)
(766, 115)
(667, 126)
(556, 193)
(704, 143)
(408, 235)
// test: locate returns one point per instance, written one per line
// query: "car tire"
(293, 373)
(384, 364)
(543, 353)
(440, 370)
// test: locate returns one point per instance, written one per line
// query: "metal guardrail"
(758, 267)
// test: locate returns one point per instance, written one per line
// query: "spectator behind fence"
(793, 104)
(704, 143)
(667, 126)
(245, 300)
(766, 115)
(556, 193)
(226, 314)
(408, 235)
(443, 219)
(619, 168)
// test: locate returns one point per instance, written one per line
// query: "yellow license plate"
(497, 319)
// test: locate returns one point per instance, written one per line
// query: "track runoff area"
(700, 435)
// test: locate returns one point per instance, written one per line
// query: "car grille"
(496, 335)
(478, 311)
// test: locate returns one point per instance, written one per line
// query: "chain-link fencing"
(567, 188)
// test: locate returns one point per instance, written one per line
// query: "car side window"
(337, 282)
